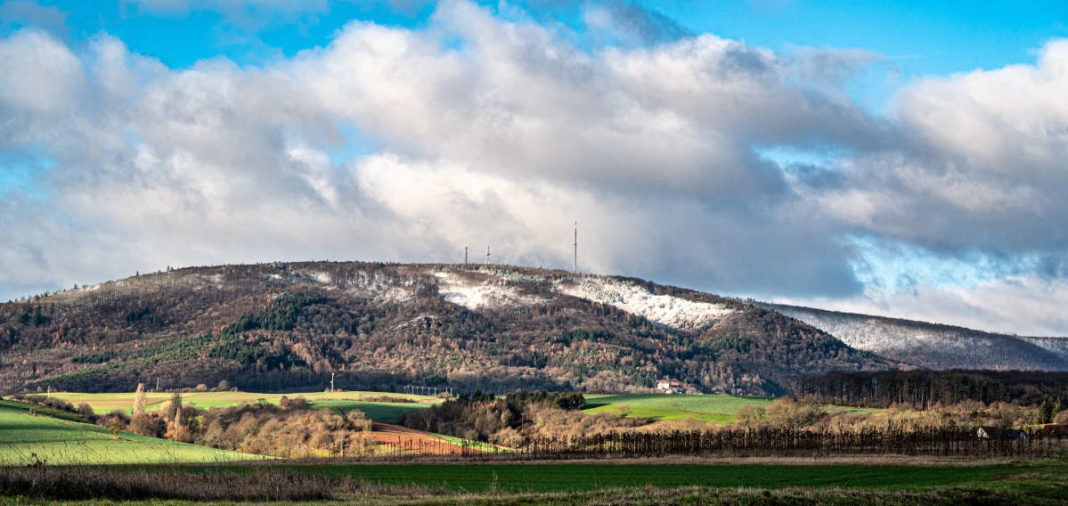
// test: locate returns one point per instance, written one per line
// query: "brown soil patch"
(397, 440)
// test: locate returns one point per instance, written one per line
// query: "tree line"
(922, 389)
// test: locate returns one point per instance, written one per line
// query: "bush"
(750, 414)
(294, 404)
(146, 425)
(295, 431)
(116, 425)
(787, 413)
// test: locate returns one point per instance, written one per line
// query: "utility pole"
(574, 268)
(331, 382)
(465, 255)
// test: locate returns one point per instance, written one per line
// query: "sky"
(896, 158)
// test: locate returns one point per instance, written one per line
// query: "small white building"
(670, 387)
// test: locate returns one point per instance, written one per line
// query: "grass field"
(376, 410)
(1043, 483)
(27, 439)
(711, 408)
(717, 409)
(574, 477)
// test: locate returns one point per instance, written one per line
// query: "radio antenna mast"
(574, 266)
(465, 255)
(487, 255)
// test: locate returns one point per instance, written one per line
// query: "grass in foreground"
(31, 439)
(1026, 483)
(579, 477)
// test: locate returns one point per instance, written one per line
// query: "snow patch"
(485, 295)
(322, 277)
(378, 287)
(666, 310)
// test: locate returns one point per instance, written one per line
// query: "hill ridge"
(381, 325)
(934, 345)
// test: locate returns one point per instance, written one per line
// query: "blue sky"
(896, 157)
(917, 37)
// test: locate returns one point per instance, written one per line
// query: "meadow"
(1044, 482)
(572, 477)
(369, 402)
(54, 437)
(39, 438)
(718, 409)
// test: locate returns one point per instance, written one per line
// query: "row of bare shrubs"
(83, 409)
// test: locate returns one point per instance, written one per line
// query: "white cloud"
(489, 131)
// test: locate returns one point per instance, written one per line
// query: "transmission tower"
(574, 266)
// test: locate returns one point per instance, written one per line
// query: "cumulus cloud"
(497, 131)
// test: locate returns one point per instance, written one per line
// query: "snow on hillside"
(477, 294)
(1058, 345)
(666, 310)
(934, 346)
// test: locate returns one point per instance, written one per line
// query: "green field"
(28, 439)
(376, 410)
(717, 409)
(711, 408)
(573, 477)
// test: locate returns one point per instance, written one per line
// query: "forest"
(922, 389)
(278, 327)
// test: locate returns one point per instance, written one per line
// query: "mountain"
(379, 326)
(934, 346)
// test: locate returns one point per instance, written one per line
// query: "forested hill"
(935, 346)
(381, 326)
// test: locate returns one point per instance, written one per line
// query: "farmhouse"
(670, 387)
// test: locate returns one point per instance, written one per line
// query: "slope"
(38, 438)
(934, 346)
(288, 326)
